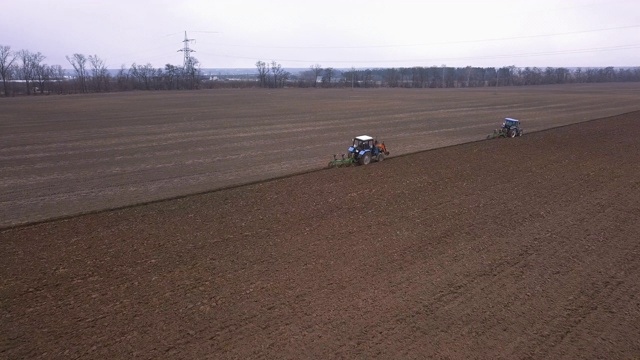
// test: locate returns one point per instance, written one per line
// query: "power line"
(437, 43)
(498, 56)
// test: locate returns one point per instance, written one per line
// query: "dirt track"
(511, 248)
(65, 155)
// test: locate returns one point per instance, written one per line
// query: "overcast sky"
(332, 33)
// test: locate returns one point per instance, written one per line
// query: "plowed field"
(509, 248)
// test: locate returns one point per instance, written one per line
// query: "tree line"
(24, 72)
(461, 77)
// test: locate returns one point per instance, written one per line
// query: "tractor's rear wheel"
(512, 133)
(380, 157)
(365, 159)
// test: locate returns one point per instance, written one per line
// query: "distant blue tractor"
(510, 128)
(363, 150)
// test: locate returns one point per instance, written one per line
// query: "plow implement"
(498, 133)
(342, 162)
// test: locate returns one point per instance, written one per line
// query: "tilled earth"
(509, 248)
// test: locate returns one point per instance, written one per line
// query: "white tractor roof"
(364, 138)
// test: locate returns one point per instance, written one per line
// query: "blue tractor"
(510, 128)
(363, 150)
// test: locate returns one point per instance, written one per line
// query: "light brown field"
(65, 155)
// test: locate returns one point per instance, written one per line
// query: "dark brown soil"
(509, 248)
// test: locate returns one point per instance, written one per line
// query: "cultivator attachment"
(342, 162)
(497, 133)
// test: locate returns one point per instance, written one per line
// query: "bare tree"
(578, 75)
(79, 61)
(192, 73)
(405, 75)
(263, 72)
(171, 75)
(392, 77)
(284, 77)
(57, 79)
(468, 69)
(30, 62)
(306, 78)
(42, 76)
(7, 57)
(351, 78)
(317, 71)
(144, 74)
(419, 76)
(26, 69)
(123, 79)
(368, 78)
(275, 70)
(279, 74)
(327, 76)
(99, 73)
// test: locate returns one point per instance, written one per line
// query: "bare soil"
(66, 155)
(508, 248)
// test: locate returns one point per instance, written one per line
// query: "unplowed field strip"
(511, 248)
(67, 155)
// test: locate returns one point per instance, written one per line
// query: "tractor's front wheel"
(380, 157)
(365, 159)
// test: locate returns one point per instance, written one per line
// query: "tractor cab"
(361, 143)
(510, 123)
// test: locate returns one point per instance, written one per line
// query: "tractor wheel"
(380, 157)
(512, 133)
(365, 159)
